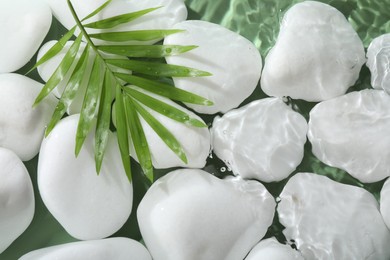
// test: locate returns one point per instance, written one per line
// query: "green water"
(258, 21)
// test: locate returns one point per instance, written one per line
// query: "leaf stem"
(81, 27)
(90, 42)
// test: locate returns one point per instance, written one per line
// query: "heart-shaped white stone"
(87, 205)
(117, 248)
(351, 132)
(328, 220)
(317, 55)
(22, 126)
(190, 214)
(17, 202)
(23, 26)
(170, 13)
(273, 250)
(263, 140)
(233, 61)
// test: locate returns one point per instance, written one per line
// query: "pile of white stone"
(189, 213)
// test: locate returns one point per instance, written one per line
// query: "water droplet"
(223, 169)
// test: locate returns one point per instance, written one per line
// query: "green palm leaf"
(56, 48)
(119, 19)
(146, 51)
(141, 35)
(131, 103)
(161, 107)
(165, 135)
(157, 69)
(139, 139)
(70, 91)
(97, 10)
(103, 120)
(90, 103)
(164, 89)
(122, 130)
(61, 71)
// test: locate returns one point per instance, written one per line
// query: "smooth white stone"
(87, 205)
(273, 250)
(17, 203)
(22, 126)
(263, 140)
(385, 202)
(192, 215)
(351, 132)
(23, 26)
(233, 61)
(317, 55)
(195, 141)
(329, 220)
(117, 248)
(170, 13)
(378, 61)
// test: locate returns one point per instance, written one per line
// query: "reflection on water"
(259, 21)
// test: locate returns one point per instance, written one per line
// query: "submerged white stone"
(117, 248)
(195, 141)
(190, 214)
(22, 126)
(317, 55)
(263, 140)
(23, 26)
(87, 205)
(169, 13)
(273, 250)
(385, 202)
(17, 204)
(233, 61)
(329, 220)
(351, 132)
(378, 61)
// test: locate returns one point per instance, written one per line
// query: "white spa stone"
(23, 26)
(195, 141)
(317, 55)
(351, 132)
(233, 61)
(263, 140)
(22, 126)
(192, 215)
(17, 203)
(88, 206)
(378, 61)
(385, 202)
(170, 13)
(117, 248)
(271, 249)
(332, 221)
